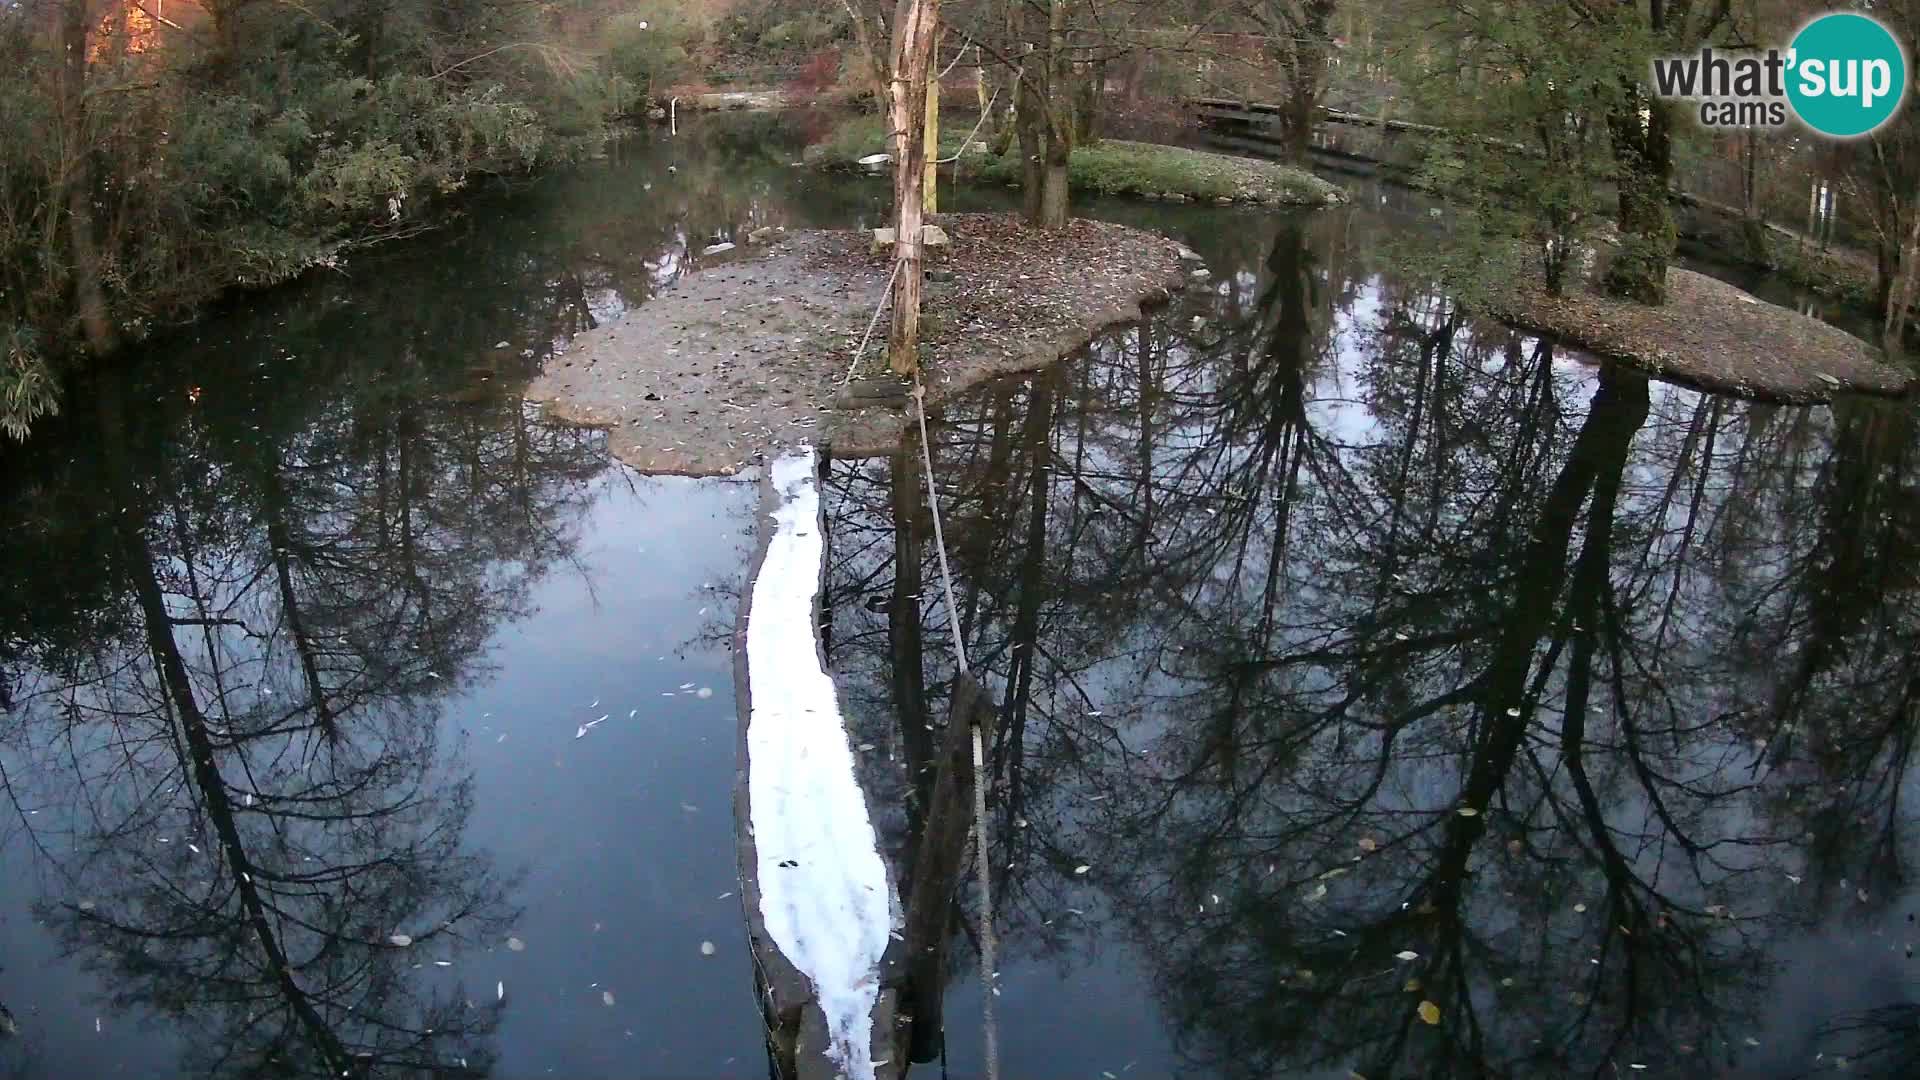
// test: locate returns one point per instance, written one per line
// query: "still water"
(307, 626)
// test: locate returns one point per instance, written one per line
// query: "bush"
(649, 46)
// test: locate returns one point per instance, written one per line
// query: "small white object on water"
(500, 990)
(707, 949)
(606, 998)
(516, 945)
(1082, 869)
(400, 940)
(705, 692)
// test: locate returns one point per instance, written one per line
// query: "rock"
(944, 277)
(977, 148)
(1187, 254)
(656, 113)
(931, 236)
(1222, 200)
(1177, 197)
(719, 249)
(762, 236)
(1202, 274)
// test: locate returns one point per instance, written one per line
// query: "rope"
(989, 945)
(862, 350)
(984, 113)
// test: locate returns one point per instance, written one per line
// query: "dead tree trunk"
(912, 67)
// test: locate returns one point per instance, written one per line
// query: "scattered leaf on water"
(401, 940)
(1515, 711)
(1430, 1013)
(705, 692)
(1751, 1041)
(1406, 954)
(1412, 986)
(443, 963)
(500, 990)
(1082, 868)
(516, 944)
(1468, 811)
(1319, 891)
(707, 949)
(1579, 909)
(606, 996)
(1369, 844)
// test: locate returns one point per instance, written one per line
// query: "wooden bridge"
(1254, 122)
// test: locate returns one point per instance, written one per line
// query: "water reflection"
(236, 774)
(252, 579)
(1380, 660)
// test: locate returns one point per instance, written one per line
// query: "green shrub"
(649, 46)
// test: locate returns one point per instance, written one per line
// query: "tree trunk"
(89, 296)
(1030, 125)
(912, 66)
(1059, 121)
(1643, 153)
(1089, 94)
(930, 185)
(1305, 60)
(872, 64)
(1900, 292)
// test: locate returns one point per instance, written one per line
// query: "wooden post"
(912, 66)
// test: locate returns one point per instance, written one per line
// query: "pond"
(1358, 663)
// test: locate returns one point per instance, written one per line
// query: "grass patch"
(1110, 167)
(1117, 167)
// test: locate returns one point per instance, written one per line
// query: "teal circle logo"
(1846, 75)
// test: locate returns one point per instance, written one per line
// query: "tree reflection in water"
(255, 817)
(1334, 627)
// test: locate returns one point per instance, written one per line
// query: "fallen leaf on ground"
(1430, 1013)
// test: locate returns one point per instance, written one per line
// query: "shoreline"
(1712, 336)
